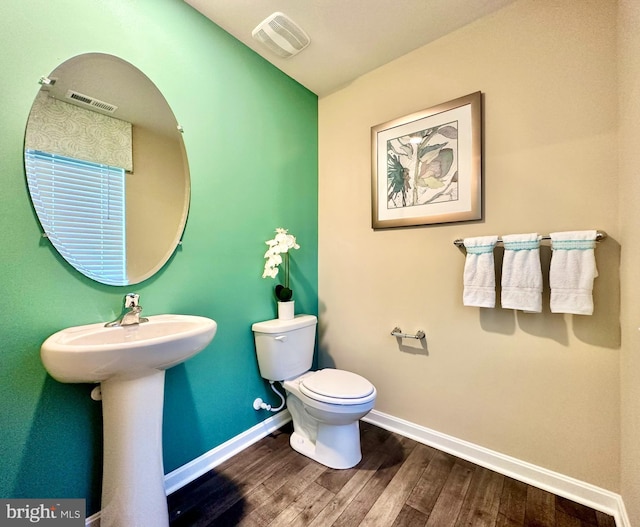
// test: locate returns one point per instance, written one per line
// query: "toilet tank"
(285, 347)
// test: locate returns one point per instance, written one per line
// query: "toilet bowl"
(326, 427)
(325, 405)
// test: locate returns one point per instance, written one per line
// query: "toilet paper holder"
(397, 332)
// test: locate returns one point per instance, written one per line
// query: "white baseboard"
(192, 470)
(584, 493)
(179, 477)
(570, 488)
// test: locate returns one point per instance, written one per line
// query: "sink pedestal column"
(133, 493)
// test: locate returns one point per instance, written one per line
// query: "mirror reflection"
(107, 169)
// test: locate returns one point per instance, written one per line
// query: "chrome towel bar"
(600, 235)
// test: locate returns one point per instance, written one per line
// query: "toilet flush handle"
(281, 338)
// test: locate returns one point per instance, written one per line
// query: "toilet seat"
(337, 387)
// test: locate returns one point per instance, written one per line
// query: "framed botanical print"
(426, 167)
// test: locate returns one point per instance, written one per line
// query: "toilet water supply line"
(259, 404)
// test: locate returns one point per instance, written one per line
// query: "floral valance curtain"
(61, 128)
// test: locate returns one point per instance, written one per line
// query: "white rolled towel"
(521, 273)
(479, 272)
(572, 272)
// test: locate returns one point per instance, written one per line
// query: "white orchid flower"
(271, 272)
(273, 257)
(282, 243)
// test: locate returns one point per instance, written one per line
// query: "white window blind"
(81, 207)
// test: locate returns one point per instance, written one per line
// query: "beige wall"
(155, 214)
(544, 388)
(629, 133)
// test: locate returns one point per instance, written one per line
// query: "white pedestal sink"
(129, 363)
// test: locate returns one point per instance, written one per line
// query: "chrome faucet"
(130, 312)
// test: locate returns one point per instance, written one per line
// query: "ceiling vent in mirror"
(281, 35)
(91, 101)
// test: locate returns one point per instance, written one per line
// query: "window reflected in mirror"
(82, 205)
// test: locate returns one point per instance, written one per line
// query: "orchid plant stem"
(285, 264)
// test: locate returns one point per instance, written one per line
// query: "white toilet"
(325, 405)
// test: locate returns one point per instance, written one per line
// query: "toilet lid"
(338, 384)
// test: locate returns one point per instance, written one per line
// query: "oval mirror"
(106, 168)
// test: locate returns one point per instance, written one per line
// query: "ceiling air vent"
(281, 35)
(91, 101)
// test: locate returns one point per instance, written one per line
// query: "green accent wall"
(251, 137)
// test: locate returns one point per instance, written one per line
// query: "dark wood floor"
(399, 482)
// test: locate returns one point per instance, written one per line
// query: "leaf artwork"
(422, 167)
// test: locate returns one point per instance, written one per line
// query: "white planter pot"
(286, 310)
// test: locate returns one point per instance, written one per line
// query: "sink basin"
(94, 353)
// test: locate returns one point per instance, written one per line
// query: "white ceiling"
(348, 37)
(114, 81)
